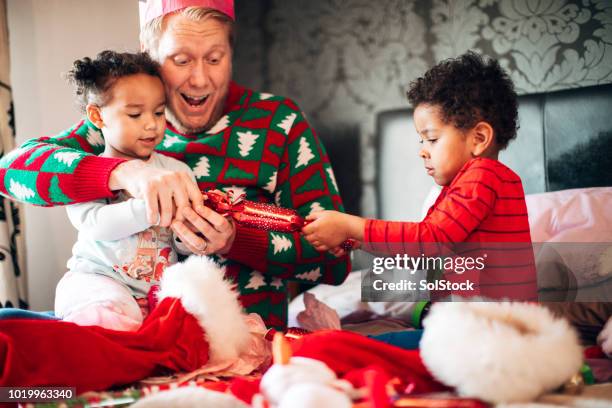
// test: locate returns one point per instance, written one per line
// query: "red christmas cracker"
(257, 215)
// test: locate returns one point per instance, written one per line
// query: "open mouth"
(195, 100)
(149, 140)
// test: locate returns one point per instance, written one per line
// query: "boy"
(465, 113)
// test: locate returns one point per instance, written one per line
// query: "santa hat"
(500, 352)
(197, 321)
(151, 9)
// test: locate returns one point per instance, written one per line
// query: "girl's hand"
(329, 229)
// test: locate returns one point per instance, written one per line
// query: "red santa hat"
(150, 9)
(198, 320)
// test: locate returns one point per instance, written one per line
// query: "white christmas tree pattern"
(315, 207)
(287, 123)
(312, 275)
(277, 283)
(331, 175)
(246, 140)
(280, 243)
(219, 126)
(255, 281)
(20, 191)
(169, 140)
(66, 157)
(304, 153)
(277, 198)
(271, 186)
(94, 137)
(202, 169)
(264, 95)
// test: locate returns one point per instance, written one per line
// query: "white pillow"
(578, 215)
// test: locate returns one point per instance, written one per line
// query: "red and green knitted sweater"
(262, 146)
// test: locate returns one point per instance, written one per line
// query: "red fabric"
(345, 352)
(244, 388)
(57, 353)
(91, 178)
(484, 203)
(594, 352)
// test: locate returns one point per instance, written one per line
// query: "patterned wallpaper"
(345, 60)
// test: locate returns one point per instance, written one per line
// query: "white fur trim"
(499, 352)
(199, 283)
(188, 397)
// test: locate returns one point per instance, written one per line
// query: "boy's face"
(445, 148)
(133, 120)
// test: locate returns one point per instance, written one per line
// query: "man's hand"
(205, 232)
(329, 229)
(158, 187)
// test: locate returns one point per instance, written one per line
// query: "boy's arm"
(109, 222)
(59, 170)
(455, 216)
(305, 181)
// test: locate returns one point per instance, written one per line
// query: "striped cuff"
(91, 178)
(250, 248)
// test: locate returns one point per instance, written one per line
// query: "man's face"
(196, 66)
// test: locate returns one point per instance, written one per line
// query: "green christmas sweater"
(262, 146)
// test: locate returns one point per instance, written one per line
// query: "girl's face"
(446, 149)
(133, 120)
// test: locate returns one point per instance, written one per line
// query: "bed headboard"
(564, 141)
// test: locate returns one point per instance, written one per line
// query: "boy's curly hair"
(469, 89)
(93, 79)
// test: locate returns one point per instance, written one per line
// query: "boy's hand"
(329, 229)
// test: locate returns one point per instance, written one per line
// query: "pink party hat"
(150, 9)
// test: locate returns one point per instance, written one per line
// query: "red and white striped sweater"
(484, 205)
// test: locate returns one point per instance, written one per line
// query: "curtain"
(13, 284)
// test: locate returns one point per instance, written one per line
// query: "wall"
(344, 61)
(45, 37)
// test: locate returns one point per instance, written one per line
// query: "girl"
(119, 255)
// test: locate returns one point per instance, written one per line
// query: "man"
(232, 138)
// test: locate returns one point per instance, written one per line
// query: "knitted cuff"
(91, 177)
(250, 247)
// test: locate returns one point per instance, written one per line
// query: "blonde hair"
(153, 30)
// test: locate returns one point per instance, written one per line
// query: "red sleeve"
(456, 215)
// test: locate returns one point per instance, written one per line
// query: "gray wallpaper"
(345, 60)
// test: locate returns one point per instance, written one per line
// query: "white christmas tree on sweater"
(271, 186)
(304, 153)
(277, 198)
(94, 137)
(66, 157)
(312, 275)
(20, 191)
(246, 140)
(280, 243)
(219, 126)
(330, 173)
(202, 169)
(287, 123)
(170, 140)
(316, 206)
(255, 281)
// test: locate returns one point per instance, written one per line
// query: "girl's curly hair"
(469, 89)
(93, 79)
